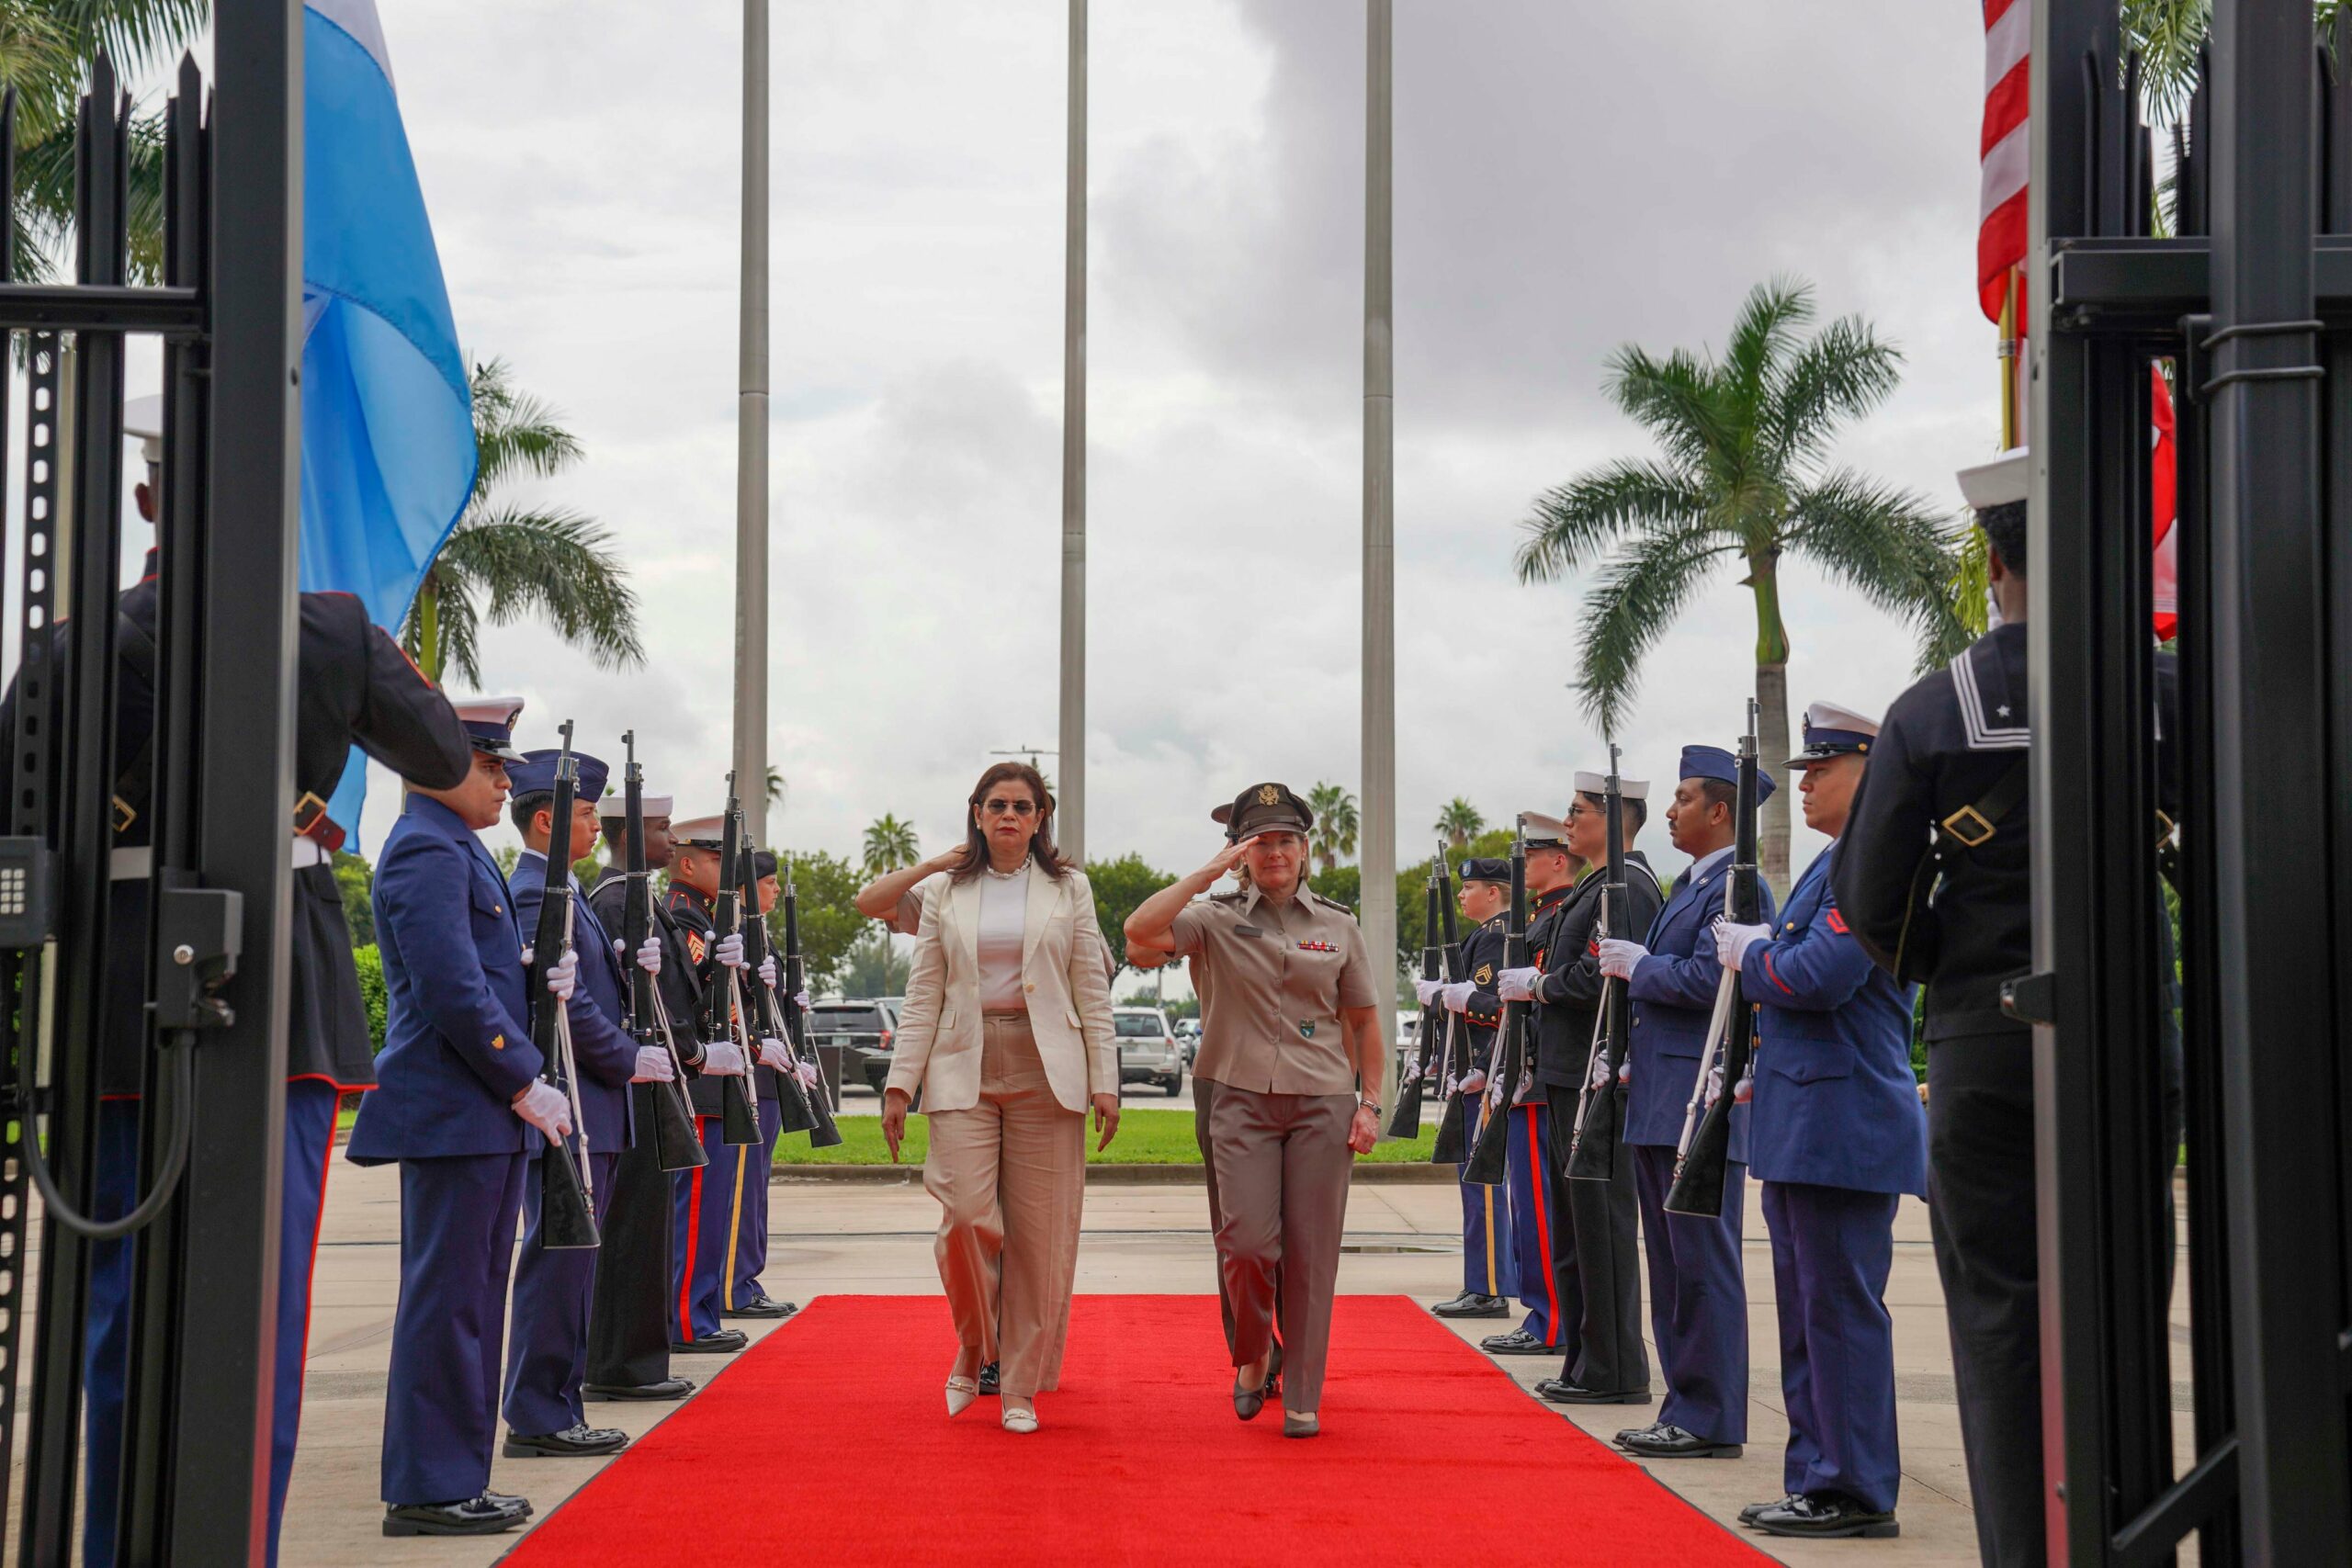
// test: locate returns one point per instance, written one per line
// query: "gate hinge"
(199, 933)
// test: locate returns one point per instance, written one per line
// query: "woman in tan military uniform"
(1291, 1054)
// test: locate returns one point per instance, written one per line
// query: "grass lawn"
(1145, 1137)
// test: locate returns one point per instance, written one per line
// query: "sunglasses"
(1010, 807)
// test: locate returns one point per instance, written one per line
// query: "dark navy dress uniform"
(355, 687)
(704, 1220)
(747, 1252)
(1490, 1262)
(1600, 1283)
(1698, 1286)
(1836, 1135)
(548, 1327)
(458, 1050)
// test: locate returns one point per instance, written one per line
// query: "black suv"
(863, 1029)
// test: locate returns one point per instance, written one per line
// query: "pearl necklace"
(1007, 875)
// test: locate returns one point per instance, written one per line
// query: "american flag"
(2000, 231)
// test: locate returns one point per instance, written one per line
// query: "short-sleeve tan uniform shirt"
(1271, 980)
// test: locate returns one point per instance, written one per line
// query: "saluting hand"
(1107, 1119)
(1226, 859)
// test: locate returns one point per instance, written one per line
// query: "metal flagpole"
(750, 748)
(1070, 824)
(1378, 863)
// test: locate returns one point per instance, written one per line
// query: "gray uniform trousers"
(1282, 1164)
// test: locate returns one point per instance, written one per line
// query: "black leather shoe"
(1663, 1441)
(990, 1381)
(1825, 1516)
(1469, 1304)
(1518, 1342)
(1635, 1431)
(721, 1342)
(509, 1500)
(668, 1388)
(1747, 1515)
(1560, 1390)
(475, 1515)
(583, 1442)
(761, 1306)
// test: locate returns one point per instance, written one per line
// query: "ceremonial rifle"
(1593, 1147)
(798, 1110)
(1451, 1125)
(738, 1116)
(567, 1188)
(823, 1133)
(1488, 1165)
(675, 1146)
(1405, 1122)
(1702, 1162)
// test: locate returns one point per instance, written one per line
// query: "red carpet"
(829, 1443)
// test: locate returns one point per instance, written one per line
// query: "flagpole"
(1070, 819)
(2009, 357)
(1377, 863)
(750, 748)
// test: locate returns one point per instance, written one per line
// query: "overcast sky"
(1568, 177)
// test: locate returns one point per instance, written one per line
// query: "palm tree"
(890, 845)
(775, 785)
(1744, 479)
(504, 558)
(1459, 823)
(1336, 823)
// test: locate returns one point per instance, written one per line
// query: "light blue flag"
(387, 440)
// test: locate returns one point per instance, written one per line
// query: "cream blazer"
(1062, 972)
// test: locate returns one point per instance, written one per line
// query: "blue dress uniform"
(1836, 1134)
(1489, 1265)
(548, 1328)
(744, 1296)
(704, 1220)
(1698, 1287)
(355, 687)
(458, 1050)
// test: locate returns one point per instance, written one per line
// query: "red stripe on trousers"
(1542, 1228)
(694, 1230)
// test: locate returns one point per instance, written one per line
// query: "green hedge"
(371, 990)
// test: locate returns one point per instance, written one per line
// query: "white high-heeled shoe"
(961, 1392)
(1017, 1419)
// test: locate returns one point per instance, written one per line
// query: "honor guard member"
(629, 1320)
(1605, 1361)
(1542, 1254)
(703, 1220)
(1836, 1135)
(1489, 1265)
(353, 687)
(460, 1105)
(741, 1293)
(548, 1328)
(1698, 1294)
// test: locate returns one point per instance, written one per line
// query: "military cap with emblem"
(2000, 483)
(1715, 763)
(1263, 808)
(1538, 831)
(1485, 868)
(490, 725)
(699, 833)
(1833, 731)
(143, 417)
(1598, 785)
(534, 775)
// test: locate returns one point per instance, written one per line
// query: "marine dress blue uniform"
(458, 1050)
(1698, 1289)
(552, 1288)
(1489, 1263)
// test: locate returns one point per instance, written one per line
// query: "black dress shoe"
(475, 1515)
(1560, 1390)
(509, 1500)
(1747, 1515)
(761, 1306)
(720, 1342)
(1634, 1432)
(668, 1388)
(1663, 1441)
(1468, 1305)
(990, 1381)
(1518, 1342)
(1826, 1515)
(583, 1442)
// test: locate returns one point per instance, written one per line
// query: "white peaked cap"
(1597, 783)
(1536, 830)
(143, 417)
(1996, 483)
(489, 710)
(1829, 715)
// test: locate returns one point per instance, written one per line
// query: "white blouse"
(1004, 913)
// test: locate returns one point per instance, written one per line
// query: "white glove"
(546, 1107)
(1427, 990)
(771, 1055)
(767, 970)
(1517, 984)
(802, 997)
(1472, 1083)
(1457, 995)
(808, 1074)
(1732, 940)
(1714, 1085)
(564, 977)
(723, 1058)
(730, 952)
(652, 1066)
(1599, 1077)
(649, 955)
(1618, 957)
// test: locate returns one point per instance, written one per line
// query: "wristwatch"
(1365, 1102)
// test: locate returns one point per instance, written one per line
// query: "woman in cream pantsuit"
(1007, 1032)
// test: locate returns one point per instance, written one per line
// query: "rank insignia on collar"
(1318, 947)
(1307, 1030)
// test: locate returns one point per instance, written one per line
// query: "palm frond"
(1576, 521)
(1762, 336)
(557, 563)
(516, 432)
(1889, 546)
(1843, 373)
(2168, 34)
(1628, 610)
(1676, 399)
(137, 34)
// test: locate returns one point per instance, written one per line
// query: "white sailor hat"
(615, 807)
(1999, 482)
(1833, 731)
(143, 417)
(1598, 785)
(490, 723)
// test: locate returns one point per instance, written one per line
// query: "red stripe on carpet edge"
(829, 1441)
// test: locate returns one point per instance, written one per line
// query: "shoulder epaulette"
(1496, 923)
(1233, 898)
(1329, 903)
